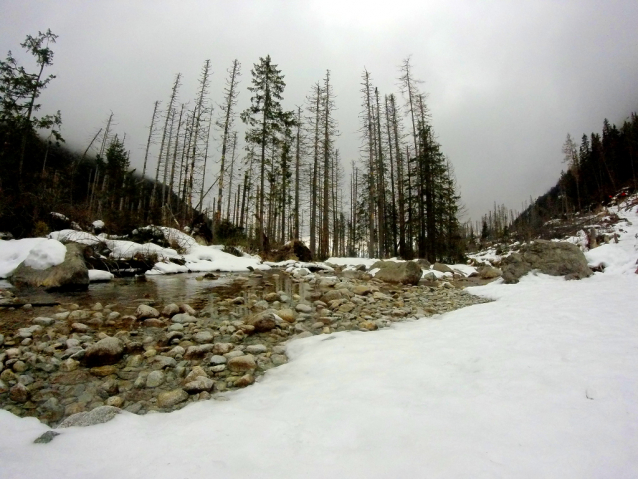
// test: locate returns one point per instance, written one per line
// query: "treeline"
(284, 181)
(597, 168)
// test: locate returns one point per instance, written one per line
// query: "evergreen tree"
(266, 120)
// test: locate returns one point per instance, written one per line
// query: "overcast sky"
(506, 80)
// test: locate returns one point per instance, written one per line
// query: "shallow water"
(128, 293)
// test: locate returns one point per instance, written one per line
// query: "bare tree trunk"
(176, 86)
(148, 146)
(297, 170)
(231, 173)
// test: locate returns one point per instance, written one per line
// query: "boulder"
(548, 257)
(287, 315)
(71, 275)
(144, 311)
(171, 398)
(170, 310)
(295, 249)
(106, 351)
(242, 364)
(407, 272)
(442, 268)
(199, 384)
(489, 272)
(98, 415)
(424, 263)
(264, 321)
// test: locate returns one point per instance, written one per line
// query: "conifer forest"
(274, 175)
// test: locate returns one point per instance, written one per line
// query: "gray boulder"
(264, 321)
(105, 351)
(442, 268)
(407, 272)
(70, 275)
(98, 415)
(549, 257)
(489, 272)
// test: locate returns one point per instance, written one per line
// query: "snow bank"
(340, 261)
(39, 253)
(96, 275)
(541, 383)
(75, 236)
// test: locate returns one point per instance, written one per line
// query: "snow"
(351, 261)
(75, 236)
(40, 253)
(542, 382)
(98, 224)
(99, 275)
(464, 269)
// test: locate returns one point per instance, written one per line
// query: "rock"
(332, 295)
(423, 263)
(256, 349)
(42, 321)
(245, 380)
(71, 275)
(170, 310)
(442, 268)
(278, 359)
(407, 272)
(19, 367)
(80, 327)
(185, 308)
(171, 398)
(154, 379)
(242, 363)
(19, 393)
(549, 257)
(1, 339)
(46, 438)
(217, 360)
(176, 351)
(234, 354)
(303, 308)
(115, 401)
(204, 337)
(69, 365)
(198, 385)
(223, 348)
(196, 352)
(106, 351)
(99, 415)
(162, 362)
(144, 311)
(184, 318)
(264, 321)
(103, 371)
(271, 297)
(196, 372)
(429, 276)
(346, 308)
(295, 250)
(287, 315)
(362, 289)
(489, 272)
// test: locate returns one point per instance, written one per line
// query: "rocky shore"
(72, 360)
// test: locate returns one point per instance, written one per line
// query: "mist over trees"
(277, 176)
(596, 169)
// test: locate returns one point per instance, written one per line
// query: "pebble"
(154, 379)
(303, 308)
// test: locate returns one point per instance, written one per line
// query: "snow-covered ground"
(543, 382)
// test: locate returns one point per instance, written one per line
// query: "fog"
(506, 81)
